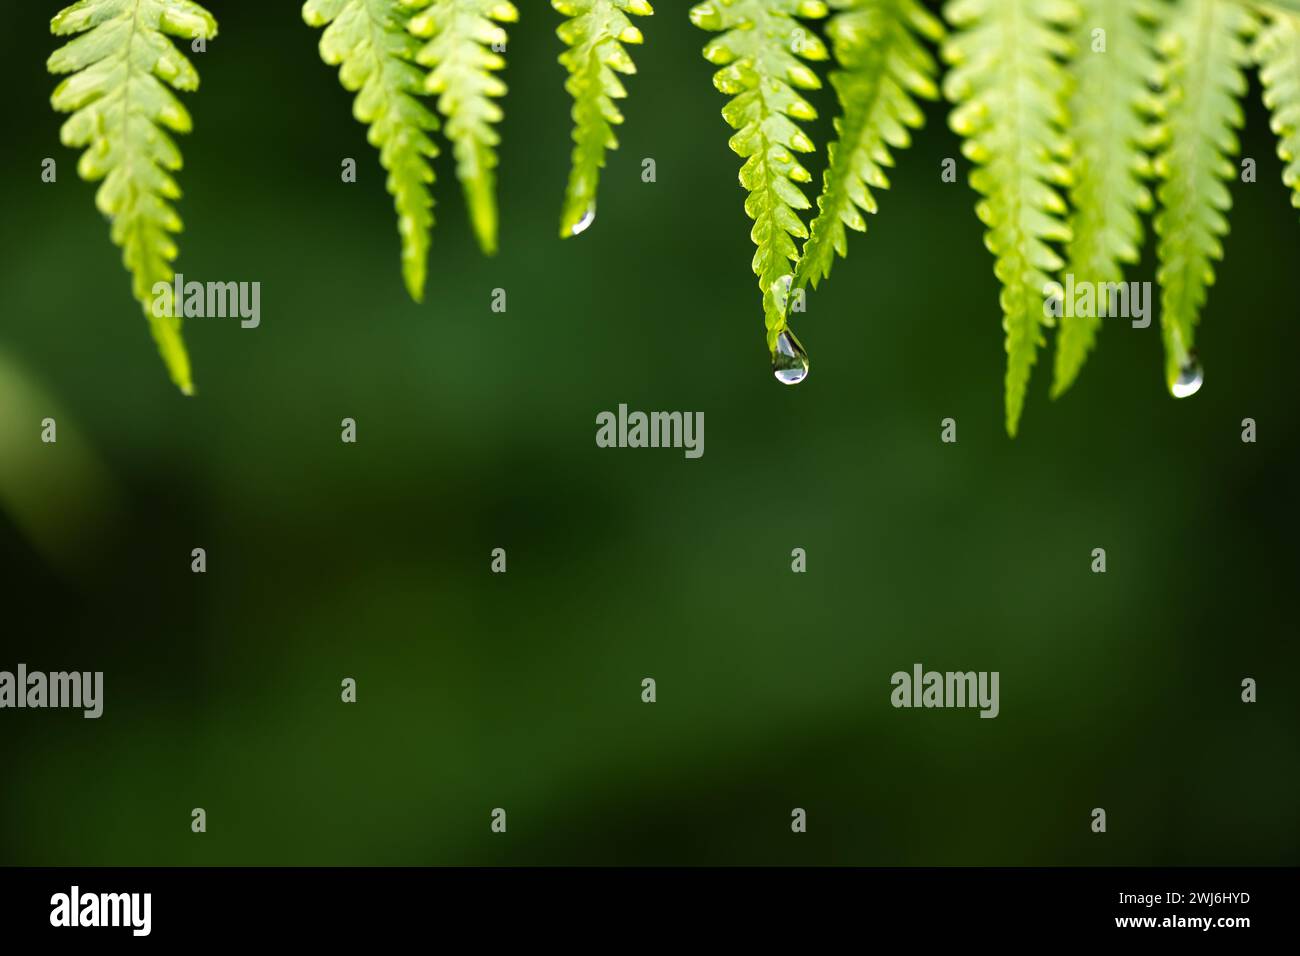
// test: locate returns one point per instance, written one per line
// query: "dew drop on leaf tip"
(1189, 380)
(583, 224)
(789, 360)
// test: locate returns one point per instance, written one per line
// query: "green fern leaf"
(122, 110)
(1110, 110)
(1010, 88)
(460, 36)
(759, 52)
(883, 66)
(369, 42)
(594, 55)
(1203, 49)
(1278, 56)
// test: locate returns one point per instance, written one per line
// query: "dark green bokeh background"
(476, 431)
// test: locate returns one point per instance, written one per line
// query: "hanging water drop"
(1189, 380)
(789, 360)
(581, 226)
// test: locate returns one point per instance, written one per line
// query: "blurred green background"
(476, 431)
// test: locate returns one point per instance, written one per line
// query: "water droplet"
(789, 361)
(1190, 379)
(584, 223)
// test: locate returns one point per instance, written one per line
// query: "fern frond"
(1278, 54)
(1110, 110)
(593, 37)
(122, 110)
(759, 51)
(369, 42)
(1010, 88)
(459, 38)
(884, 65)
(1203, 49)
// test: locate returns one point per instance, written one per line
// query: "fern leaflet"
(1278, 55)
(369, 42)
(122, 110)
(461, 40)
(1110, 110)
(1010, 89)
(883, 66)
(593, 37)
(759, 52)
(1203, 52)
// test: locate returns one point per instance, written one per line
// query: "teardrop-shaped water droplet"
(789, 361)
(1189, 381)
(585, 222)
